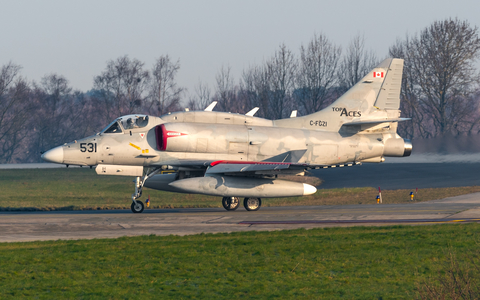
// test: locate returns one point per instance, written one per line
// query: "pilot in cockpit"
(130, 123)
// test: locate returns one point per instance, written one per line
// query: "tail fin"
(372, 102)
(389, 96)
(379, 89)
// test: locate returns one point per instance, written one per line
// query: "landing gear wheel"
(137, 207)
(230, 203)
(252, 204)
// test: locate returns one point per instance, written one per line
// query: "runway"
(402, 175)
(32, 226)
(416, 171)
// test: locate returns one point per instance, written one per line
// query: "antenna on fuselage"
(293, 114)
(211, 106)
(252, 112)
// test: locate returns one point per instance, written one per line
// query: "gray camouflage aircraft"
(240, 156)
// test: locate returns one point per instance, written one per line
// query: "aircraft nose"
(54, 155)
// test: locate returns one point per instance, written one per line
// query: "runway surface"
(402, 175)
(413, 173)
(417, 171)
(30, 226)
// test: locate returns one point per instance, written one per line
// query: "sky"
(76, 39)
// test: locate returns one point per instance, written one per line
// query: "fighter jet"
(236, 156)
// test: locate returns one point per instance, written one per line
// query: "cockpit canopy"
(127, 122)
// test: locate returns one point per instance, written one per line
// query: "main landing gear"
(250, 204)
(137, 205)
(230, 203)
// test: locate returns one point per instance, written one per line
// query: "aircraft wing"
(225, 166)
(245, 168)
(285, 163)
(284, 159)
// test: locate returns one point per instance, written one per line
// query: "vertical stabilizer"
(374, 88)
(371, 103)
(389, 96)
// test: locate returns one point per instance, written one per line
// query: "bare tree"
(164, 93)
(440, 81)
(317, 74)
(226, 91)
(122, 86)
(56, 91)
(282, 70)
(58, 115)
(202, 97)
(443, 57)
(356, 63)
(410, 95)
(14, 111)
(255, 89)
(270, 86)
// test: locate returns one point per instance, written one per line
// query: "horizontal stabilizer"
(376, 122)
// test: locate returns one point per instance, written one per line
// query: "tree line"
(440, 89)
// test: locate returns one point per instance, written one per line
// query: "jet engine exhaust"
(397, 147)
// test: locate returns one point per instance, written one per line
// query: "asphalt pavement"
(419, 171)
(402, 175)
(31, 226)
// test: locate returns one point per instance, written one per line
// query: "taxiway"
(31, 226)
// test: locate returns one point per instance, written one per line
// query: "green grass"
(82, 188)
(349, 263)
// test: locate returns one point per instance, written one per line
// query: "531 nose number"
(88, 147)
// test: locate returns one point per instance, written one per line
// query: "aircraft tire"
(230, 203)
(252, 204)
(138, 207)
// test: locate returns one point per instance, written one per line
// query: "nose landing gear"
(137, 205)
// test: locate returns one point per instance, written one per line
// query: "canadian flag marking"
(377, 74)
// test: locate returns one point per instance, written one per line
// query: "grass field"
(352, 263)
(349, 263)
(82, 188)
